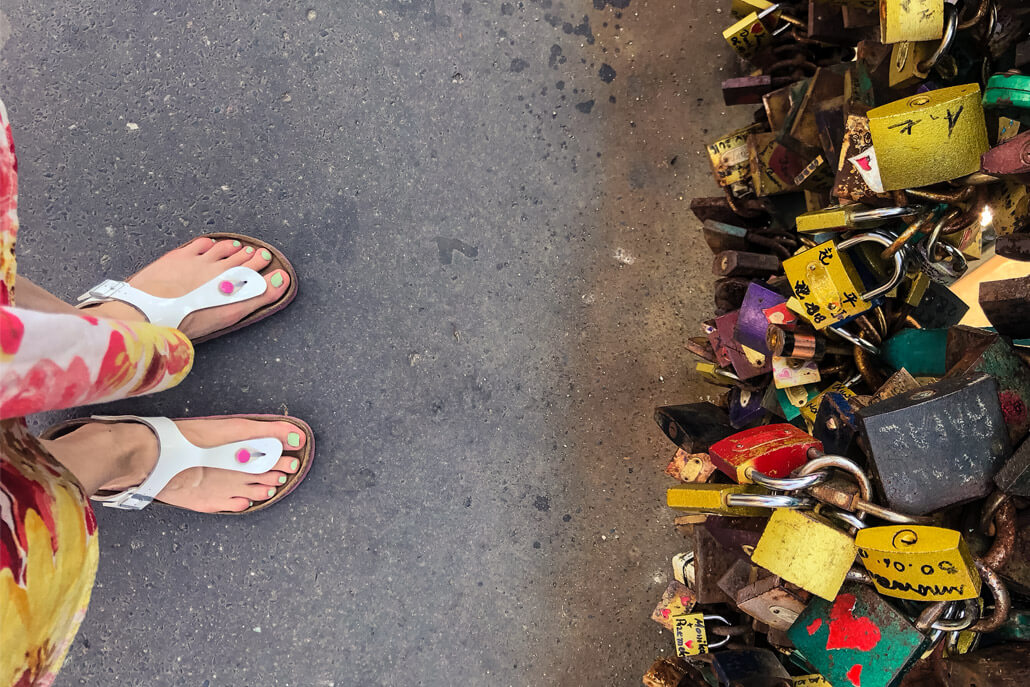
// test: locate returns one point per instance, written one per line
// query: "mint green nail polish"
(277, 280)
(271, 493)
(294, 464)
(282, 479)
(236, 244)
(293, 439)
(266, 255)
(249, 249)
(249, 504)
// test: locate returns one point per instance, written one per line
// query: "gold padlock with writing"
(826, 284)
(919, 562)
(929, 138)
(911, 20)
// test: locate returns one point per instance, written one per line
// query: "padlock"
(857, 638)
(912, 61)
(814, 680)
(772, 601)
(917, 562)
(694, 426)
(752, 33)
(691, 635)
(1014, 476)
(690, 467)
(738, 263)
(1006, 208)
(1008, 95)
(791, 372)
(752, 322)
(836, 424)
(937, 446)
(920, 351)
(748, 90)
(737, 535)
(804, 548)
(711, 561)
(674, 672)
(721, 236)
(740, 575)
(725, 499)
(745, 407)
(825, 281)
(929, 138)
(747, 362)
(1013, 247)
(1006, 303)
(773, 165)
(728, 157)
(1011, 159)
(722, 357)
(1002, 665)
(750, 667)
(981, 351)
(677, 599)
(939, 307)
(716, 375)
(850, 217)
(773, 450)
(911, 20)
(683, 570)
(791, 400)
(810, 410)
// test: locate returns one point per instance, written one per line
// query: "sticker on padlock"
(911, 20)
(918, 562)
(930, 137)
(857, 638)
(729, 158)
(781, 316)
(788, 372)
(806, 549)
(690, 635)
(676, 600)
(752, 33)
(773, 165)
(690, 467)
(858, 176)
(811, 409)
(772, 450)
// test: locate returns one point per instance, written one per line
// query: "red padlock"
(773, 450)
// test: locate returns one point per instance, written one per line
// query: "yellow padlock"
(715, 498)
(813, 680)
(751, 34)
(804, 548)
(911, 20)
(929, 138)
(826, 284)
(741, 8)
(729, 157)
(919, 562)
(811, 409)
(690, 634)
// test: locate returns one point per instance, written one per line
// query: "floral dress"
(48, 534)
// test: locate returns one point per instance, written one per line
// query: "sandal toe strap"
(231, 286)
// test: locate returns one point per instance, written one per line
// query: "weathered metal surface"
(711, 561)
(677, 600)
(690, 467)
(1007, 665)
(752, 322)
(1006, 303)
(857, 638)
(711, 498)
(1014, 476)
(771, 601)
(694, 426)
(1009, 158)
(918, 562)
(998, 359)
(773, 450)
(750, 668)
(737, 263)
(937, 446)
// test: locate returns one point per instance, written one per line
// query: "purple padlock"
(745, 407)
(745, 369)
(752, 322)
(712, 332)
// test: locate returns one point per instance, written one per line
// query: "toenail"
(294, 464)
(243, 455)
(271, 493)
(249, 249)
(236, 244)
(293, 439)
(282, 479)
(266, 255)
(250, 504)
(213, 240)
(277, 281)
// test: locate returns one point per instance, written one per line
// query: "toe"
(272, 478)
(278, 281)
(237, 504)
(199, 246)
(258, 258)
(259, 492)
(224, 249)
(288, 464)
(240, 257)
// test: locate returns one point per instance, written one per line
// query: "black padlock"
(694, 427)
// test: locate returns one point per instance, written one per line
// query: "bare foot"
(116, 456)
(178, 272)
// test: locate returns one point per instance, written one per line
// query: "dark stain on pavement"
(448, 246)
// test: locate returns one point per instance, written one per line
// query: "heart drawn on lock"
(847, 631)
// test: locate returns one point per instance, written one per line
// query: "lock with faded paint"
(773, 601)
(773, 450)
(694, 426)
(918, 562)
(677, 599)
(1008, 95)
(929, 138)
(690, 467)
(937, 446)
(750, 667)
(752, 33)
(748, 500)
(857, 638)
(806, 549)
(911, 20)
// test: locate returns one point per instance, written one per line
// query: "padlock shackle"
(853, 339)
(950, 30)
(898, 258)
(877, 214)
(850, 518)
(769, 501)
(787, 483)
(1002, 600)
(821, 460)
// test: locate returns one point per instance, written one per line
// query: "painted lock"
(929, 138)
(773, 450)
(911, 20)
(919, 562)
(804, 548)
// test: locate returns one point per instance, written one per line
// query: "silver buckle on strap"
(105, 290)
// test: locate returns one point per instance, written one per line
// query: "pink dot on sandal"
(243, 455)
(226, 287)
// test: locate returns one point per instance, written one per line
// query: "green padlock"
(920, 351)
(1008, 95)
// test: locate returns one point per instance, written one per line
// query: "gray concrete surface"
(487, 203)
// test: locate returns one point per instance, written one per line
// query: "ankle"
(107, 455)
